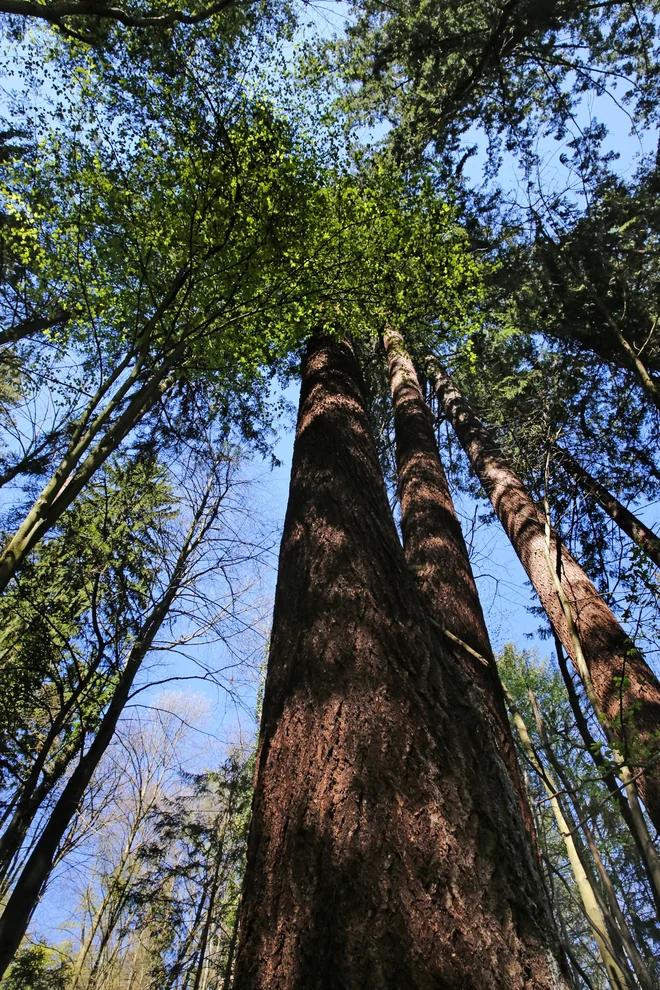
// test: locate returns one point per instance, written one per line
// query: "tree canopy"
(190, 192)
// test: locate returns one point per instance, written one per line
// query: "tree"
(185, 565)
(66, 626)
(435, 548)
(375, 766)
(194, 872)
(33, 970)
(175, 227)
(561, 782)
(170, 259)
(59, 14)
(590, 274)
(620, 685)
(642, 535)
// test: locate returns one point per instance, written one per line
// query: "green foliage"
(516, 70)
(37, 968)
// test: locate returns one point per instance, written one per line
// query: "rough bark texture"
(626, 687)
(623, 517)
(436, 553)
(386, 847)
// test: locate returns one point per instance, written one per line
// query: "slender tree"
(386, 847)
(608, 775)
(620, 683)
(435, 548)
(614, 966)
(602, 845)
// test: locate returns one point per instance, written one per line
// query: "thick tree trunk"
(623, 517)
(626, 688)
(436, 552)
(386, 847)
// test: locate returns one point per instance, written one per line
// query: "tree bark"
(436, 553)
(633, 527)
(626, 688)
(386, 846)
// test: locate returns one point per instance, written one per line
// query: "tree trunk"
(626, 688)
(436, 552)
(386, 848)
(623, 517)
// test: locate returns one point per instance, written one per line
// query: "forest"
(330, 557)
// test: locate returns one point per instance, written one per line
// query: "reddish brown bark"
(386, 848)
(436, 552)
(623, 517)
(626, 687)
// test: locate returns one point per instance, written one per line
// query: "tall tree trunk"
(386, 848)
(436, 552)
(623, 517)
(626, 689)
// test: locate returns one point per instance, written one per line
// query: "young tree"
(66, 626)
(187, 559)
(585, 846)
